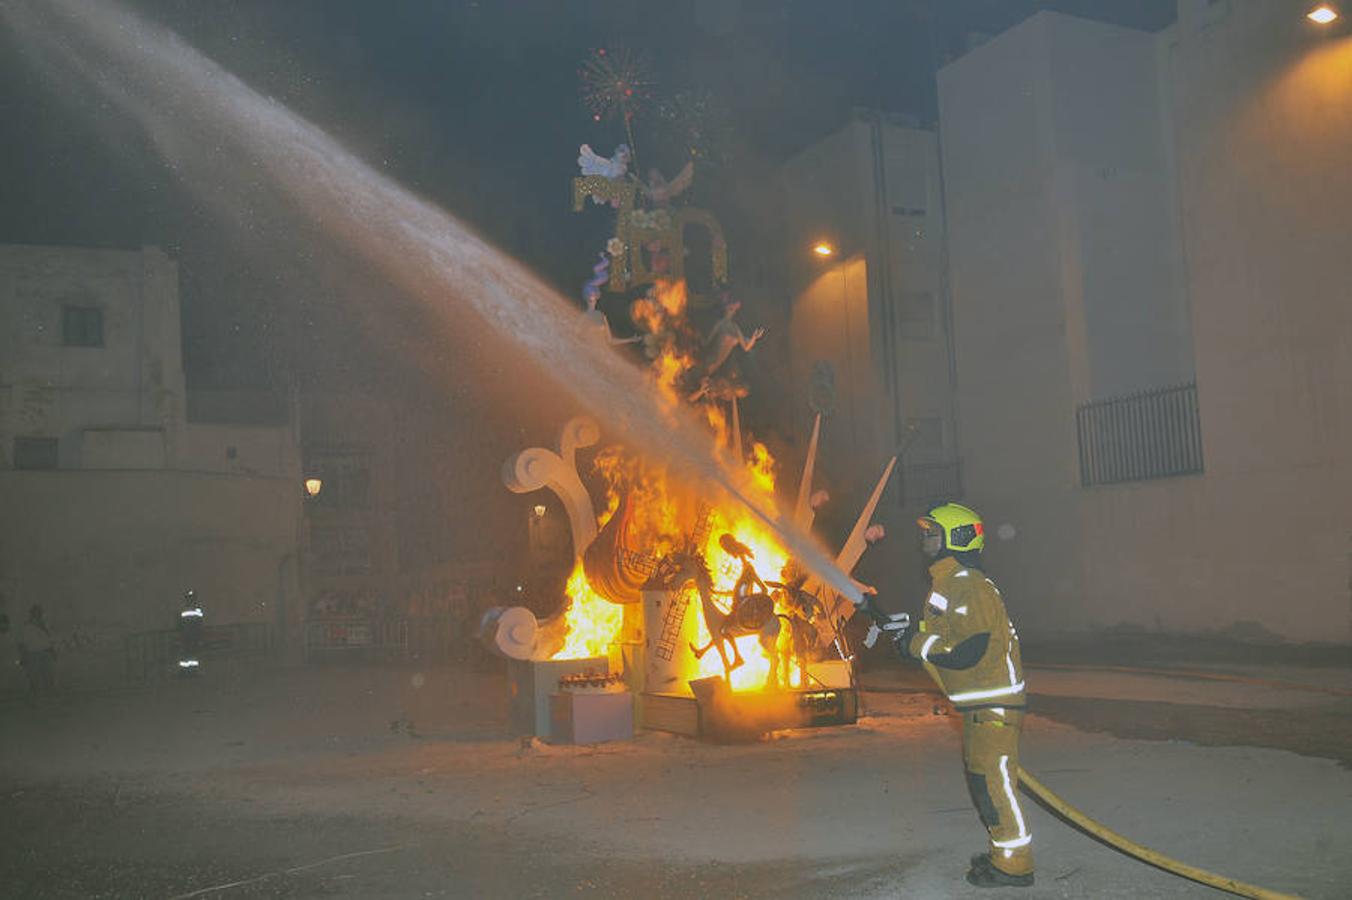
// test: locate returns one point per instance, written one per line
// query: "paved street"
(398, 782)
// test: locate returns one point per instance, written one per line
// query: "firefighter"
(189, 634)
(968, 645)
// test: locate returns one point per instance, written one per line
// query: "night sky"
(477, 106)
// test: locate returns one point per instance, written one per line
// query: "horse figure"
(752, 612)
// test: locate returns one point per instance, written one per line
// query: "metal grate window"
(1151, 434)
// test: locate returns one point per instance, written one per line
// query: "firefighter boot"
(983, 873)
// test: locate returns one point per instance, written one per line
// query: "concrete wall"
(1263, 113)
(1068, 228)
(1012, 271)
(1260, 108)
(112, 552)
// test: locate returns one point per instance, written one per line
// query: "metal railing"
(426, 638)
(150, 654)
(1151, 434)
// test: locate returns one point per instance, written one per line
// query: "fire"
(593, 622)
(762, 468)
(663, 514)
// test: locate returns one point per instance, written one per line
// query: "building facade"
(869, 337)
(1152, 320)
(114, 500)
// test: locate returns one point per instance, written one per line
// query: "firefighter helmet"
(961, 527)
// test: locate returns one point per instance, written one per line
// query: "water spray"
(192, 109)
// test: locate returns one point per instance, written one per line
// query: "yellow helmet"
(960, 526)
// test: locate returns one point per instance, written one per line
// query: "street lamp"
(824, 249)
(1322, 14)
(313, 486)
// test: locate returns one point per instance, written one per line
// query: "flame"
(663, 512)
(762, 469)
(593, 622)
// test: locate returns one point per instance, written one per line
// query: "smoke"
(227, 142)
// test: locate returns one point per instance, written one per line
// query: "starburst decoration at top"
(615, 83)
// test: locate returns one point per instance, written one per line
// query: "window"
(1135, 437)
(916, 314)
(82, 326)
(34, 453)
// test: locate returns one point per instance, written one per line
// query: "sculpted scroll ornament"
(538, 467)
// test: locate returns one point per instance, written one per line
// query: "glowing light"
(661, 511)
(824, 250)
(1322, 15)
(313, 486)
(539, 510)
(593, 621)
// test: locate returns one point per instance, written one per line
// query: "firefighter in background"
(189, 634)
(968, 645)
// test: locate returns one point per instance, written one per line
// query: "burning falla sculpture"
(636, 576)
(752, 613)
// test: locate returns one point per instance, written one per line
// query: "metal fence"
(150, 654)
(1151, 434)
(356, 636)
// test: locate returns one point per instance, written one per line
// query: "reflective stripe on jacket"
(967, 640)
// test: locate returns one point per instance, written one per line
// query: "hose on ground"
(1145, 854)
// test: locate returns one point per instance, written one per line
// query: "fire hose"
(1144, 854)
(882, 623)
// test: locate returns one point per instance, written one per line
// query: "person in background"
(190, 634)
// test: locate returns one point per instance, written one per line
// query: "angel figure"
(615, 167)
(725, 337)
(660, 192)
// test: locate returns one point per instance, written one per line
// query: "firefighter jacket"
(967, 641)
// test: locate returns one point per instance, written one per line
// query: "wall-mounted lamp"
(539, 510)
(1322, 14)
(313, 486)
(823, 249)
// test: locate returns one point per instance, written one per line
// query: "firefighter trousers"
(990, 755)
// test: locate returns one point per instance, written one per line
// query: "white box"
(591, 718)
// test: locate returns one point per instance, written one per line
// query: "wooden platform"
(677, 713)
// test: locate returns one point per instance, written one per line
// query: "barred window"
(1152, 434)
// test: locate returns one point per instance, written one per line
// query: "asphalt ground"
(377, 781)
